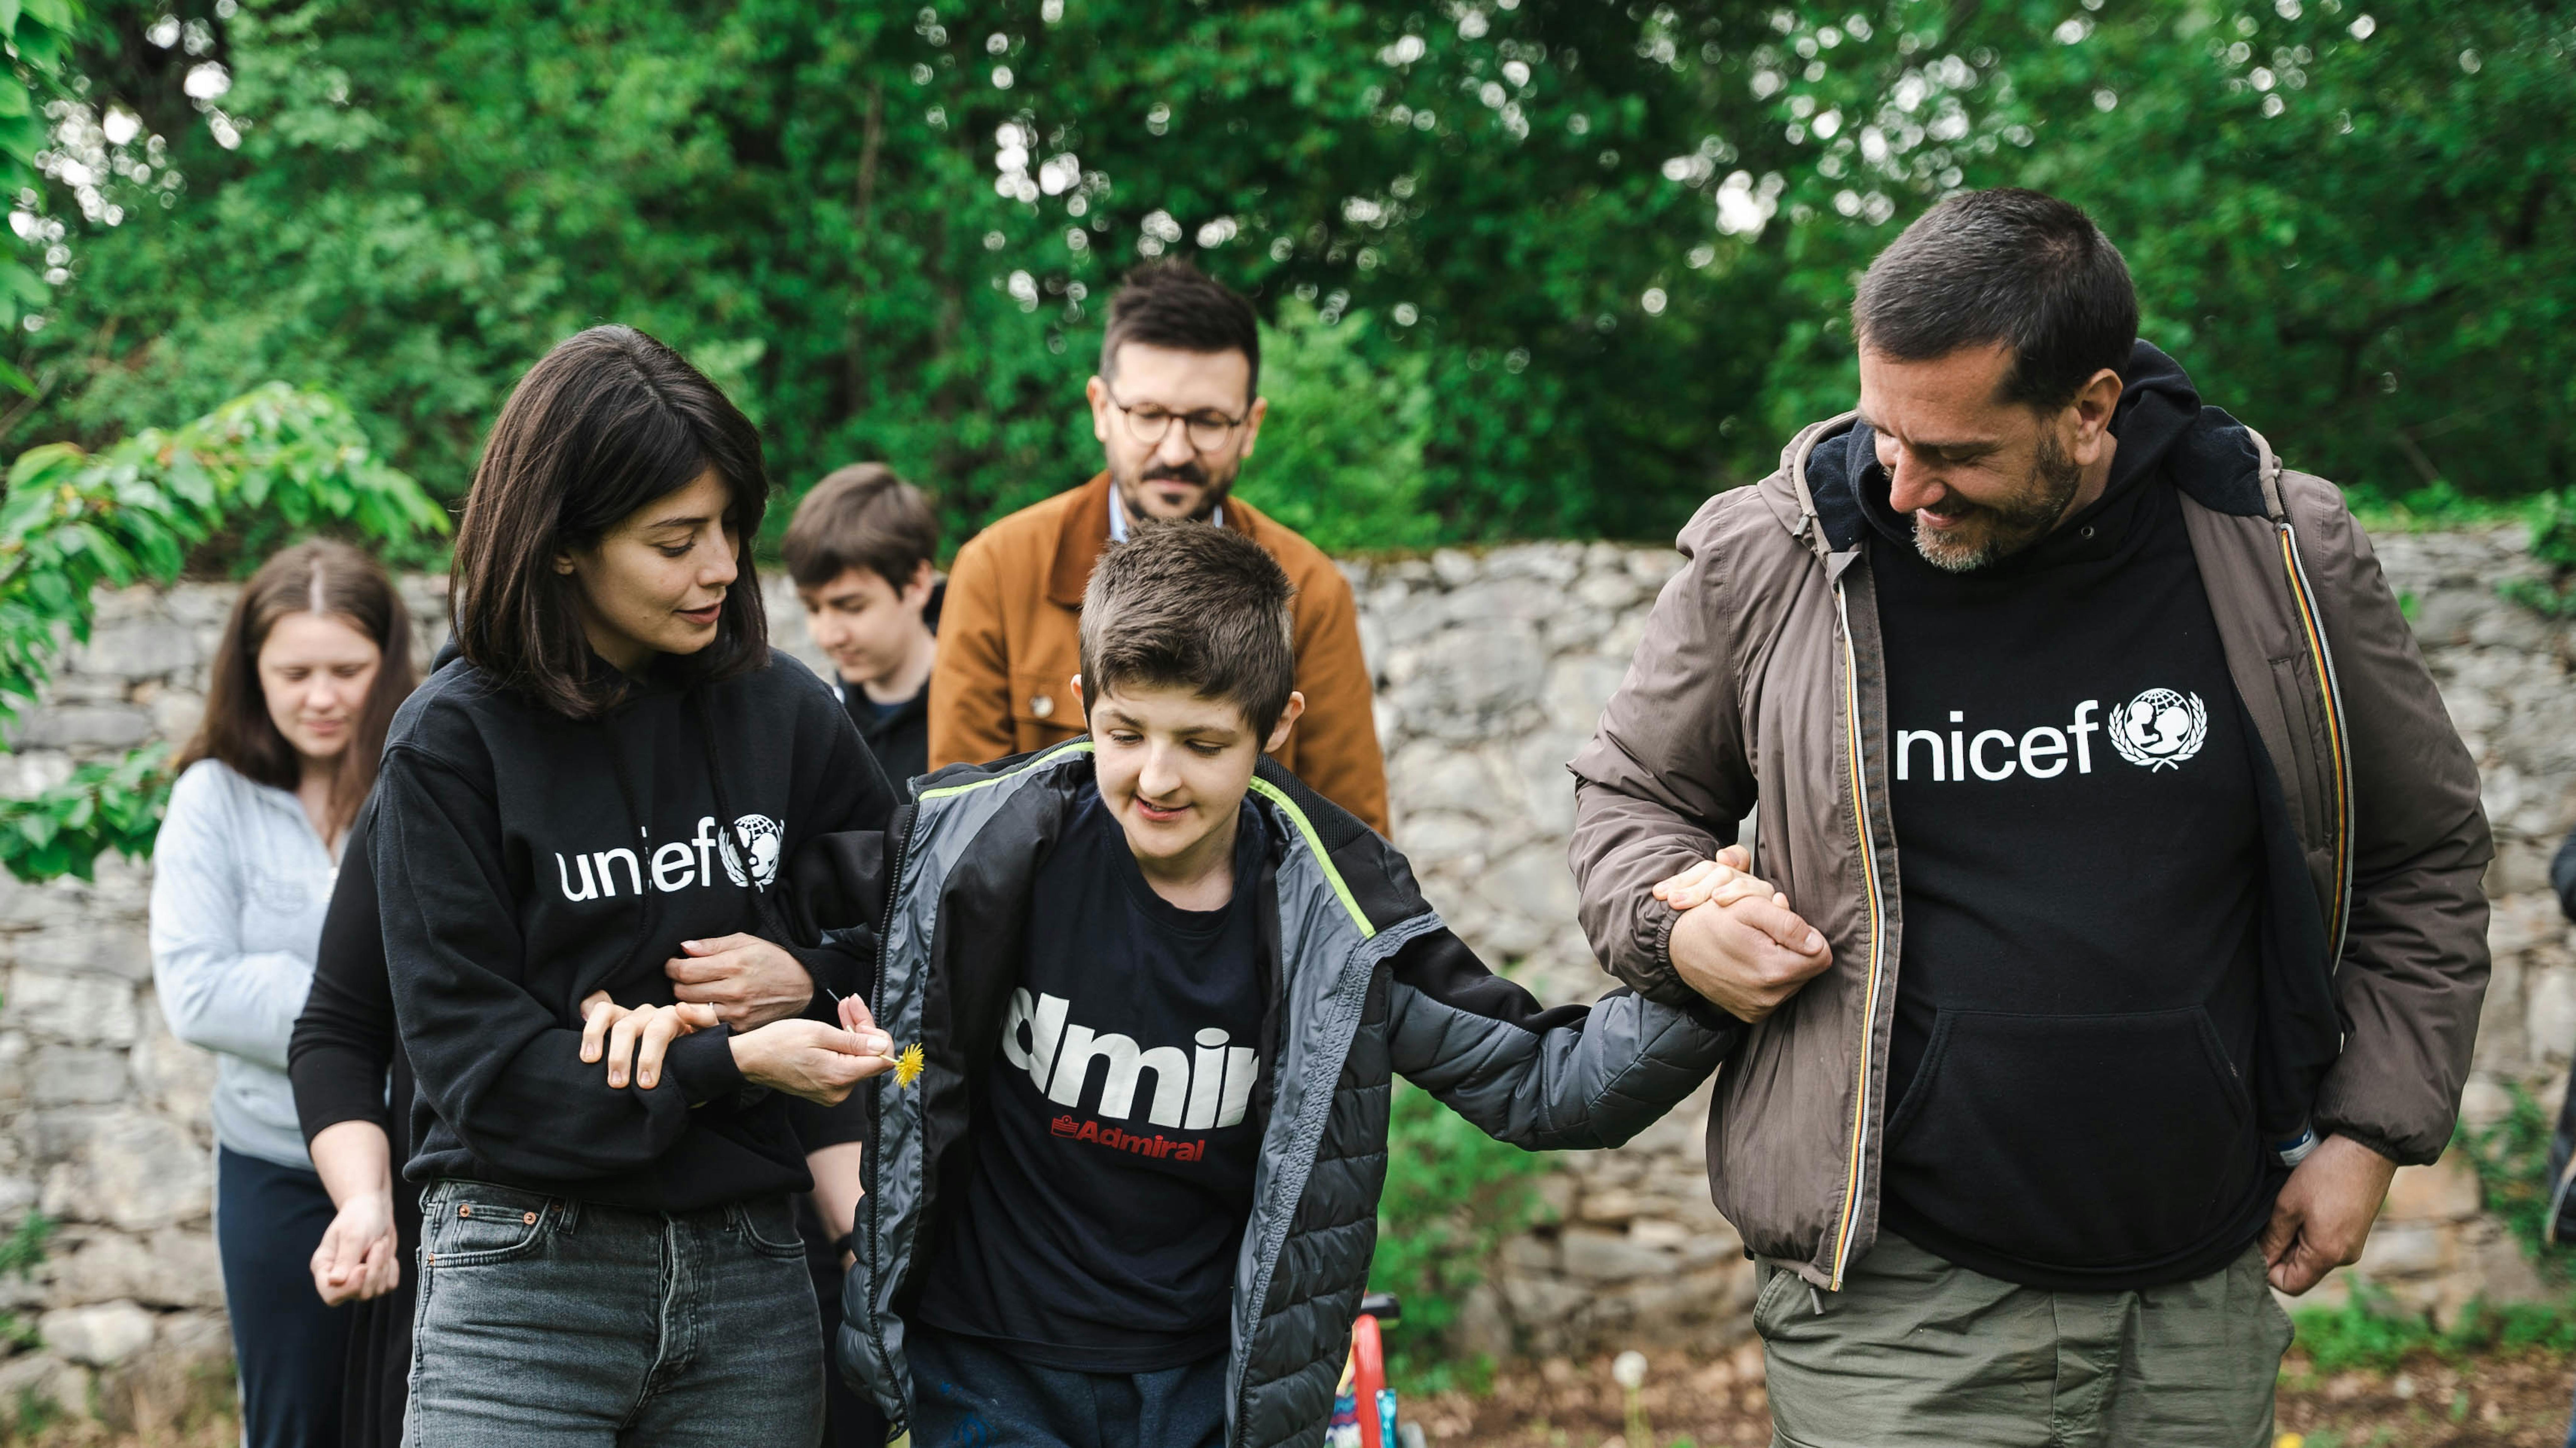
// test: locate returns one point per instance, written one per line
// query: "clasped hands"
(1739, 944)
(753, 986)
(1737, 941)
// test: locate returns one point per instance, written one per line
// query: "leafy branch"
(74, 521)
(102, 807)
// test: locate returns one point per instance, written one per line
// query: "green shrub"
(21, 1252)
(2370, 1331)
(2512, 1162)
(1453, 1194)
(2553, 541)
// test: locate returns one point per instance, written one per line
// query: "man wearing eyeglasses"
(1177, 409)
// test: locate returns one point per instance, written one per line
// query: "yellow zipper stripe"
(1070, 746)
(2316, 638)
(1315, 847)
(1869, 1011)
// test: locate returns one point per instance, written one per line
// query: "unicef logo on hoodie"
(679, 864)
(2159, 729)
(761, 838)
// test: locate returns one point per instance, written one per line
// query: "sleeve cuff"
(2362, 1136)
(1656, 979)
(841, 966)
(701, 1064)
(819, 1126)
(322, 1121)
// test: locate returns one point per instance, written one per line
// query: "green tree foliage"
(1452, 1195)
(1605, 247)
(73, 521)
(36, 34)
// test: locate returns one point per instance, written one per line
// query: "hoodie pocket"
(2075, 1141)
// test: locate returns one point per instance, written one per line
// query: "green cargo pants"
(1917, 1353)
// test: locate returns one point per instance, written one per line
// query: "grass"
(2370, 1331)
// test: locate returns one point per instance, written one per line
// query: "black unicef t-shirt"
(2078, 849)
(1113, 1155)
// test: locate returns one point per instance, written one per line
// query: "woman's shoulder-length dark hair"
(336, 581)
(602, 425)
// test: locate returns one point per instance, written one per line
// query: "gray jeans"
(548, 1322)
(1916, 1352)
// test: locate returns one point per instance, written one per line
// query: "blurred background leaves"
(1557, 267)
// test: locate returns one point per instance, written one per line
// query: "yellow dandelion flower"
(907, 1066)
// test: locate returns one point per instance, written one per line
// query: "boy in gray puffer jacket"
(1126, 1190)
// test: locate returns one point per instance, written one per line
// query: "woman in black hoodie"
(597, 800)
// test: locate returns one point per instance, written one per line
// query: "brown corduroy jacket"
(1009, 647)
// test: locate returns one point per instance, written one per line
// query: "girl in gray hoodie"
(313, 662)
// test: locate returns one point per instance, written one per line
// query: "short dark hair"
(1194, 606)
(336, 581)
(2005, 265)
(602, 425)
(1174, 304)
(860, 516)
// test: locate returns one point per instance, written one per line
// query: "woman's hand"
(813, 1060)
(635, 1038)
(1721, 881)
(749, 981)
(358, 1257)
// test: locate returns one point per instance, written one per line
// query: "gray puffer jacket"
(1366, 982)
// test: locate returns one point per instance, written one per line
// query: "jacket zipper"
(898, 836)
(2339, 908)
(1877, 932)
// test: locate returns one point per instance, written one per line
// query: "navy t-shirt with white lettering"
(2078, 842)
(1114, 1150)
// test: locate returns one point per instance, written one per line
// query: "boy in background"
(860, 550)
(1126, 1196)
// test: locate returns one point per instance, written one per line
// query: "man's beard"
(1214, 488)
(1993, 532)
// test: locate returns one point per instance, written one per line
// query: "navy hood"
(2161, 423)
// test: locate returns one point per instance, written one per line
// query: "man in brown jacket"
(1176, 412)
(2112, 925)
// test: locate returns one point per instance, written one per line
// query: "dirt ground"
(2496, 1402)
(2499, 1402)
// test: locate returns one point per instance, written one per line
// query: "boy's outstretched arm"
(1545, 1080)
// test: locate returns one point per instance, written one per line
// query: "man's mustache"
(1190, 473)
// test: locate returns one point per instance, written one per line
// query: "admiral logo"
(1158, 1146)
(1193, 1090)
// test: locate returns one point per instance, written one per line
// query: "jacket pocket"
(2075, 1141)
(476, 1224)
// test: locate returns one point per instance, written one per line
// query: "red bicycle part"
(1368, 1359)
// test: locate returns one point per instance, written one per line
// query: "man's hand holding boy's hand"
(1737, 941)
(748, 980)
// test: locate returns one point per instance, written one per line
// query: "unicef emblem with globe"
(2159, 729)
(759, 837)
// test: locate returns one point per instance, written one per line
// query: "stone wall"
(1490, 669)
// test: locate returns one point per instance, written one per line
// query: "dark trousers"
(967, 1393)
(291, 1349)
(850, 1419)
